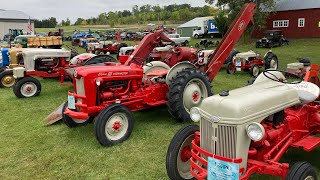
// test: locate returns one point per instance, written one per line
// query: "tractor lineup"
(241, 132)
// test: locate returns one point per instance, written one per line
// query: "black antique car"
(272, 38)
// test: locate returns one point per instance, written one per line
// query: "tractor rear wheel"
(27, 87)
(302, 171)
(113, 125)
(99, 59)
(271, 62)
(188, 88)
(6, 79)
(179, 153)
(70, 122)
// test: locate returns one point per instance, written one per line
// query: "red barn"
(296, 19)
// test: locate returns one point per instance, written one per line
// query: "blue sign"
(222, 170)
(211, 27)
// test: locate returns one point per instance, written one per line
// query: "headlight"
(255, 131)
(98, 81)
(195, 114)
(75, 73)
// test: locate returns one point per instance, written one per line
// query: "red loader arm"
(144, 48)
(313, 74)
(244, 18)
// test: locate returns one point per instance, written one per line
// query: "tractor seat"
(307, 91)
(163, 49)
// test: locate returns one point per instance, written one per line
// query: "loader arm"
(243, 19)
(148, 43)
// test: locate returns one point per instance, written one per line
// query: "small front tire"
(113, 125)
(6, 79)
(27, 87)
(179, 154)
(230, 68)
(255, 70)
(302, 171)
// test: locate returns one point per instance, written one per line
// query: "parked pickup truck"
(177, 40)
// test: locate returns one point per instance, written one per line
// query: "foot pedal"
(308, 143)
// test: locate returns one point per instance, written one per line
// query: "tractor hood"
(249, 103)
(109, 70)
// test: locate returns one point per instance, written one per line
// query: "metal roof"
(196, 22)
(286, 5)
(14, 14)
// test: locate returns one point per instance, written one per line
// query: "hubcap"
(28, 89)
(183, 159)
(193, 93)
(116, 126)
(309, 178)
(8, 81)
(273, 64)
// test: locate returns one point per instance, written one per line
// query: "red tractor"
(277, 114)
(111, 92)
(251, 61)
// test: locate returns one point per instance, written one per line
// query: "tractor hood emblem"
(215, 119)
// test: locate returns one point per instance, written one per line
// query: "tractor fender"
(178, 68)
(154, 65)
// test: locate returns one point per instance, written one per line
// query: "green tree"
(236, 5)
(221, 22)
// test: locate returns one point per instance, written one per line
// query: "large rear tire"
(271, 61)
(113, 125)
(179, 154)
(188, 88)
(302, 171)
(27, 87)
(100, 59)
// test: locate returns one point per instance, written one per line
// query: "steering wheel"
(268, 73)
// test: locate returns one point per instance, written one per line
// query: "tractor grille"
(218, 139)
(80, 88)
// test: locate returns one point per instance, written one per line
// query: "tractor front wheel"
(179, 153)
(113, 125)
(188, 88)
(271, 62)
(6, 79)
(302, 171)
(70, 122)
(255, 70)
(27, 87)
(230, 68)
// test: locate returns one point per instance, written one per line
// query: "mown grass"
(31, 151)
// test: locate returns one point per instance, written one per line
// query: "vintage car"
(272, 38)
(178, 40)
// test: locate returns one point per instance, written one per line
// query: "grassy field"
(31, 151)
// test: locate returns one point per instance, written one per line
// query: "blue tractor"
(4, 58)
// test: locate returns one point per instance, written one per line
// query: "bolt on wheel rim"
(273, 64)
(116, 126)
(193, 94)
(28, 89)
(183, 165)
(8, 81)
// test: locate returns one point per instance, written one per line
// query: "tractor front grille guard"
(81, 108)
(198, 160)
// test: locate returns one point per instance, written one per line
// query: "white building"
(12, 19)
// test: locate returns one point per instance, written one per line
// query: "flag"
(30, 26)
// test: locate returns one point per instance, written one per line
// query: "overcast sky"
(62, 9)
